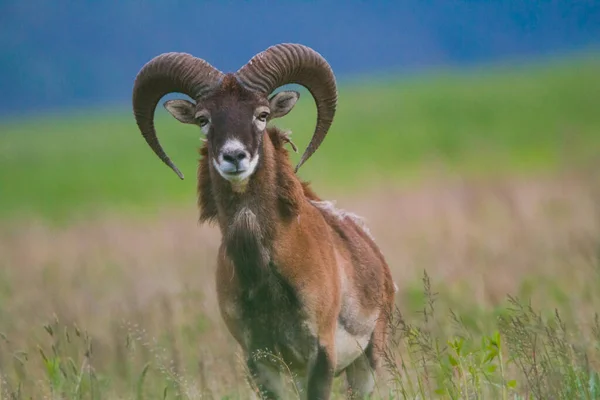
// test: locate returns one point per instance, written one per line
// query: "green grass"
(493, 121)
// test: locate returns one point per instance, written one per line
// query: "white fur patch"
(233, 145)
(329, 207)
(225, 168)
(260, 125)
(205, 128)
(348, 347)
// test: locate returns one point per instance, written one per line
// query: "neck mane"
(249, 219)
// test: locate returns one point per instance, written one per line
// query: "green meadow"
(481, 187)
(386, 131)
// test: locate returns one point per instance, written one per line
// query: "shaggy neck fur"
(249, 220)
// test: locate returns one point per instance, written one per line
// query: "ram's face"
(233, 121)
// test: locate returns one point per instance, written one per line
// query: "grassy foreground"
(126, 309)
(480, 123)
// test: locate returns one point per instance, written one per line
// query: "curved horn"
(167, 73)
(294, 63)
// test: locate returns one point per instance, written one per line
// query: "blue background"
(56, 54)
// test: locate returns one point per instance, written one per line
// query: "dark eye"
(202, 121)
(263, 116)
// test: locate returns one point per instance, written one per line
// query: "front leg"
(320, 376)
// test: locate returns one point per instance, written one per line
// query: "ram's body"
(294, 275)
(296, 278)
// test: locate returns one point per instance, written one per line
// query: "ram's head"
(233, 109)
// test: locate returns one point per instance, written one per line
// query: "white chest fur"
(348, 347)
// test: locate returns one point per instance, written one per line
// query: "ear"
(182, 110)
(282, 103)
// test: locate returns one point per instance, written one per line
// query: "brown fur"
(279, 264)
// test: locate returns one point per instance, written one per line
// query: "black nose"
(234, 156)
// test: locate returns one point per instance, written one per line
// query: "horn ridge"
(287, 63)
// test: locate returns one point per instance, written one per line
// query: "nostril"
(235, 156)
(229, 158)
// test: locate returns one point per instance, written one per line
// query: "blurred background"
(418, 80)
(467, 134)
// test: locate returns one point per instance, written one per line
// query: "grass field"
(480, 187)
(491, 122)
